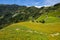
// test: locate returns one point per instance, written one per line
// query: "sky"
(37, 3)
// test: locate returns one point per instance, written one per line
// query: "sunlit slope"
(18, 32)
(50, 17)
(51, 30)
(47, 27)
(31, 31)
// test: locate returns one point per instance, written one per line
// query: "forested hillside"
(10, 14)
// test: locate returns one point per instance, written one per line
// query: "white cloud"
(51, 2)
(45, 3)
(38, 6)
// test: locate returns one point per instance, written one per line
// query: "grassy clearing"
(17, 32)
(31, 31)
(47, 27)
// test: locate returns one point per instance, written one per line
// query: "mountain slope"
(18, 32)
(10, 14)
(52, 15)
(31, 31)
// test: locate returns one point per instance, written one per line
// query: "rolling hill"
(29, 23)
(10, 14)
(31, 31)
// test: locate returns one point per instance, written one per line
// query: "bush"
(42, 21)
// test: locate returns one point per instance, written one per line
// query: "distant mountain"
(14, 13)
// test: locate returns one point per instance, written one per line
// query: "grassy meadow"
(31, 31)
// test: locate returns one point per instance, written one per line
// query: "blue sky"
(30, 2)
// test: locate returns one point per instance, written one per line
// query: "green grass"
(11, 33)
(50, 18)
(53, 16)
(54, 13)
(30, 31)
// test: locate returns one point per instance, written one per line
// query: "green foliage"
(42, 21)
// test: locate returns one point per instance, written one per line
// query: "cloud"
(45, 3)
(38, 6)
(39, 3)
(51, 2)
